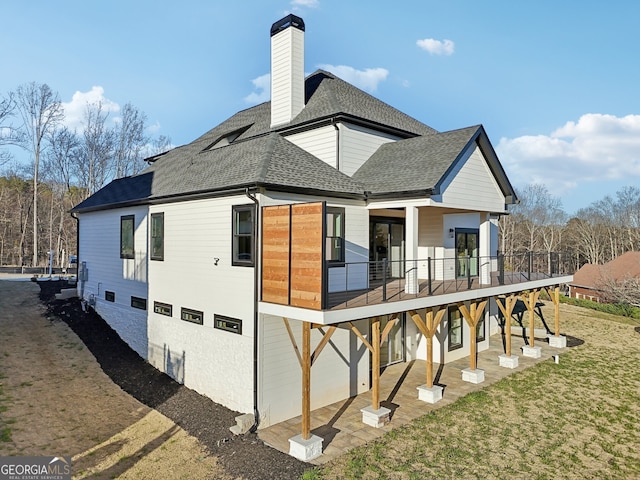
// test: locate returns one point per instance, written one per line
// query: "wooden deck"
(394, 290)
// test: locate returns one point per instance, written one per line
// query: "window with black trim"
(193, 316)
(334, 235)
(455, 329)
(127, 228)
(243, 235)
(140, 303)
(222, 322)
(480, 330)
(163, 309)
(157, 236)
(109, 296)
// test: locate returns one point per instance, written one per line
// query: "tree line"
(65, 167)
(596, 233)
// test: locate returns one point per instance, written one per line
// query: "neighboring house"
(601, 283)
(323, 217)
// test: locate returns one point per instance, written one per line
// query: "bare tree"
(40, 111)
(94, 166)
(129, 142)
(7, 109)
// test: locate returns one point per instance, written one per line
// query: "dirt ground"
(70, 387)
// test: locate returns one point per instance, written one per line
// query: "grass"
(576, 419)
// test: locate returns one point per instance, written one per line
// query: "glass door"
(387, 242)
(392, 351)
(467, 252)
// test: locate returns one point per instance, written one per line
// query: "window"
(163, 309)
(229, 324)
(455, 329)
(243, 235)
(480, 335)
(157, 236)
(109, 296)
(127, 225)
(137, 302)
(335, 235)
(193, 316)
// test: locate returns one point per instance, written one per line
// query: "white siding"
(473, 186)
(358, 144)
(340, 371)
(213, 362)
(100, 249)
(320, 142)
(287, 75)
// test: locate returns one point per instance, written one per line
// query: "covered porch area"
(340, 424)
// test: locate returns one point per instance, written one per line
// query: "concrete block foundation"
(305, 450)
(473, 376)
(531, 352)
(430, 395)
(558, 342)
(376, 418)
(508, 361)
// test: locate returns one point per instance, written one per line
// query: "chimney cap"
(290, 20)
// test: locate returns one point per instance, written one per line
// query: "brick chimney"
(287, 69)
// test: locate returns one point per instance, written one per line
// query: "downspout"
(77, 219)
(256, 271)
(335, 125)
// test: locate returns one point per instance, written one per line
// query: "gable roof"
(421, 164)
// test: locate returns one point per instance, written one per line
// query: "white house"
(324, 219)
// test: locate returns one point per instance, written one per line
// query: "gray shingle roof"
(261, 156)
(414, 164)
(267, 160)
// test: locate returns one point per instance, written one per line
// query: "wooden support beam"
(325, 339)
(507, 311)
(360, 336)
(393, 320)
(293, 339)
(530, 301)
(472, 317)
(428, 328)
(375, 374)
(306, 380)
(554, 295)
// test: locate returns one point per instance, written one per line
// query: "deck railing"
(363, 283)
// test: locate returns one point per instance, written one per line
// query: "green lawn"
(576, 419)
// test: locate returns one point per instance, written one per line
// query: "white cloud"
(437, 47)
(367, 79)
(597, 147)
(305, 3)
(262, 93)
(74, 110)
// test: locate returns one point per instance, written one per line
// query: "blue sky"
(555, 84)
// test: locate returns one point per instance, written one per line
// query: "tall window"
(157, 236)
(127, 226)
(243, 235)
(480, 329)
(335, 235)
(455, 329)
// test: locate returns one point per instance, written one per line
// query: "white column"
(411, 250)
(485, 249)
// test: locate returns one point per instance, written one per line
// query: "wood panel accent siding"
(292, 254)
(276, 228)
(307, 234)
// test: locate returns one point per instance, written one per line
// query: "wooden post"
(375, 374)
(507, 311)
(474, 347)
(429, 349)
(306, 380)
(556, 309)
(472, 318)
(531, 300)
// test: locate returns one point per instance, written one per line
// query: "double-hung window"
(455, 329)
(243, 235)
(157, 236)
(335, 235)
(127, 228)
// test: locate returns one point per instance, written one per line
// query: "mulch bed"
(244, 456)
